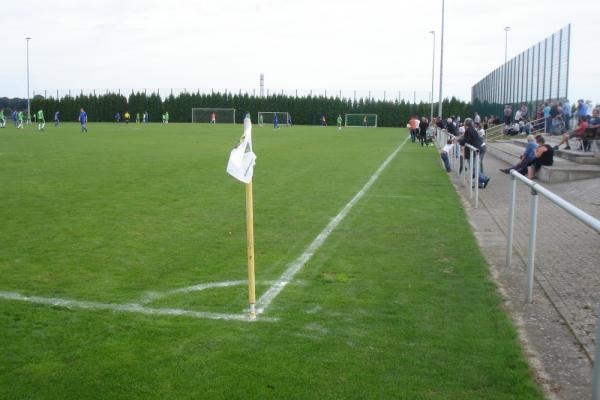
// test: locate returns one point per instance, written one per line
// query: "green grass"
(396, 304)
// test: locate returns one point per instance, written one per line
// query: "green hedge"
(304, 110)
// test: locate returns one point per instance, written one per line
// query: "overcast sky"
(310, 44)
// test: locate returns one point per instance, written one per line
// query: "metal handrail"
(590, 221)
(442, 137)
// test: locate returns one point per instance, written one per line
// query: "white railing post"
(477, 180)
(511, 220)
(596, 370)
(470, 173)
(531, 250)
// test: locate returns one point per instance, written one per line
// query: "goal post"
(222, 115)
(268, 117)
(360, 121)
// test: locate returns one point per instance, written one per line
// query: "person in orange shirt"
(413, 124)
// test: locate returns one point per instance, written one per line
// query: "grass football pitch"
(120, 247)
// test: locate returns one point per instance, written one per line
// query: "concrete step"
(562, 171)
(576, 156)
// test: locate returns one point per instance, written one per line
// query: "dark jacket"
(471, 137)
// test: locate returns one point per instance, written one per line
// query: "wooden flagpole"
(250, 239)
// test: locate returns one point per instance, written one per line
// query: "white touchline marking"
(265, 300)
(129, 307)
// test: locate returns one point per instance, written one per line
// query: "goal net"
(268, 117)
(222, 115)
(361, 120)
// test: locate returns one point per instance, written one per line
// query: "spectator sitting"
(592, 130)
(544, 155)
(526, 158)
(575, 133)
(513, 129)
(524, 126)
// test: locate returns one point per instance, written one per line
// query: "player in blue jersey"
(83, 120)
(56, 118)
(289, 121)
(275, 121)
(14, 117)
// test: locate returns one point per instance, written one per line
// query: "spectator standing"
(547, 120)
(444, 154)
(423, 131)
(566, 113)
(507, 114)
(472, 138)
(413, 125)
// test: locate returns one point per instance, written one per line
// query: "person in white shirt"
(518, 115)
(445, 153)
(477, 118)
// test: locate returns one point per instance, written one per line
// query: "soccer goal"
(222, 115)
(361, 121)
(268, 117)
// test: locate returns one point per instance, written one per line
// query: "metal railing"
(497, 132)
(457, 158)
(536, 190)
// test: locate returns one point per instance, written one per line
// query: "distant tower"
(262, 85)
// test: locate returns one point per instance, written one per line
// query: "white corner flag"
(242, 159)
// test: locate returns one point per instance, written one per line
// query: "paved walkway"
(561, 324)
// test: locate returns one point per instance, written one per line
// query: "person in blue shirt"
(145, 117)
(582, 110)
(526, 158)
(56, 118)
(83, 120)
(547, 118)
(566, 112)
(275, 121)
(117, 117)
(14, 117)
(289, 121)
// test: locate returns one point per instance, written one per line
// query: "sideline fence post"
(511, 220)
(477, 180)
(596, 369)
(531, 251)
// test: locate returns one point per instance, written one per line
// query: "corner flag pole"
(250, 239)
(241, 167)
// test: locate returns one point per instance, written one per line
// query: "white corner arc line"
(265, 300)
(129, 307)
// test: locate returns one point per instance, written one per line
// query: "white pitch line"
(153, 296)
(265, 300)
(129, 307)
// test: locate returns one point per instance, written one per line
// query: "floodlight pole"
(432, 76)
(506, 29)
(28, 100)
(441, 61)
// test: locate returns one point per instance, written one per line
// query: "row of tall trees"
(305, 110)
